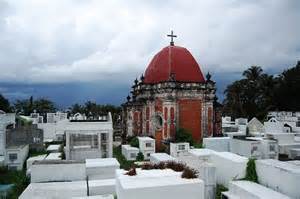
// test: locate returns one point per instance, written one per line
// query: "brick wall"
(190, 117)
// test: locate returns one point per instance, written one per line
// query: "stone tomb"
(129, 152)
(160, 157)
(158, 184)
(280, 176)
(250, 190)
(229, 167)
(57, 190)
(217, 143)
(105, 168)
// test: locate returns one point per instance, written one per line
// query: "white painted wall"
(22, 153)
(129, 152)
(57, 190)
(146, 150)
(159, 185)
(220, 144)
(30, 161)
(280, 176)
(97, 169)
(101, 187)
(177, 149)
(5, 120)
(63, 171)
(229, 166)
(160, 157)
(246, 147)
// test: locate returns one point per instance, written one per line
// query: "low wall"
(280, 176)
(50, 171)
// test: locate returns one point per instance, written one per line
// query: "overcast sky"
(104, 45)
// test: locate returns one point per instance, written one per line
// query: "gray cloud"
(74, 40)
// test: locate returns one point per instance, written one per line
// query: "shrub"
(189, 173)
(160, 165)
(219, 190)
(175, 166)
(198, 146)
(131, 172)
(183, 135)
(134, 142)
(251, 174)
(147, 166)
(124, 164)
(140, 157)
(62, 151)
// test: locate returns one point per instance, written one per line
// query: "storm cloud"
(60, 42)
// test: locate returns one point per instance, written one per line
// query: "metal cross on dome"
(172, 36)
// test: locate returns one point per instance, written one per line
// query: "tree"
(4, 104)
(287, 93)
(140, 157)
(252, 96)
(77, 108)
(183, 135)
(41, 105)
(134, 142)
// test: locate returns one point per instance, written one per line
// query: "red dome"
(176, 62)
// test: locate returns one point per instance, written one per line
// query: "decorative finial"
(142, 78)
(172, 36)
(208, 76)
(128, 98)
(136, 81)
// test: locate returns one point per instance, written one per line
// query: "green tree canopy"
(41, 105)
(257, 93)
(4, 104)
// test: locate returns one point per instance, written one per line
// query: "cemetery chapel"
(171, 94)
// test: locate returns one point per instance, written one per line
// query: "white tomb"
(57, 190)
(55, 171)
(250, 190)
(220, 144)
(241, 123)
(5, 120)
(280, 176)
(158, 184)
(250, 148)
(16, 156)
(100, 187)
(273, 126)
(255, 127)
(178, 149)
(147, 146)
(105, 168)
(31, 160)
(129, 152)
(160, 157)
(269, 147)
(202, 154)
(229, 167)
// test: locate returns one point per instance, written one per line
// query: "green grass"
(219, 190)
(33, 152)
(18, 178)
(124, 164)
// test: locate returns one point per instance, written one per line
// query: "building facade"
(172, 94)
